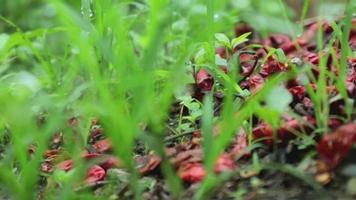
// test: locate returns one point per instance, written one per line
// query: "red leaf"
(50, 155)
(255, 83)
(247, 63)
(111, 162)
(298, 92)
(221, 51)
(224, 163)
(95, 174)
(335, 146)
(265, 131)
(103, 146)
(240, 146)
(46, 167)
(204, 80)
(282, 41)
(87, 155)
(192, 172)
(187, 156)
(271, 67)
(149, 163)
(66, 165)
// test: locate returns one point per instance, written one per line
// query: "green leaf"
(3, 39)
(279, 98)
(281, 56)
(239, 40)
(223, 40)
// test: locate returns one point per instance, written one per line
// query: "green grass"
(125, 62)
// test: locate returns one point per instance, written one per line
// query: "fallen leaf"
(95, 174)
(66, 165)
(335, 146)
(103, 146)
(224, 163)
(204, 80)
(192, 172)
(239, 147)
(149, 163)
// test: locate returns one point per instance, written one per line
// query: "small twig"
(174, 137)
(172, 130)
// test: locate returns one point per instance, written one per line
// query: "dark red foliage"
(282, 41)
(103, 146)
(47, 167)
(95, 174)
(334, 123)
(247, 63)
(87, 155)
(312, 58)
(265, 131)
(192, 172)
(50, 155)
(111, 162)
(204, 80)
(309, 35)
(221, 51)
(187, 156)
(239, 147)
(335, 146)
(288, 130)
(224, 163)
(291, 126)
(66, 165)
(254, 83)
(272, 66)
(298, 92)
(148, 163)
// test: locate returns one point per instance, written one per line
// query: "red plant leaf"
(224, 163)
(111, 162)
(247, 63)
(335, 146)
(204, 80)
(95, 174)
(51, 155)
(298, 92)
(265, 131)
(149, 163)
(192, 172)
(282, 41)
(240, 146)
(255, 83)
(87, 155)
(221, 51)
(103, 146)
(66, 165)
(188, 156)
(47, 167)
(271, 67)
